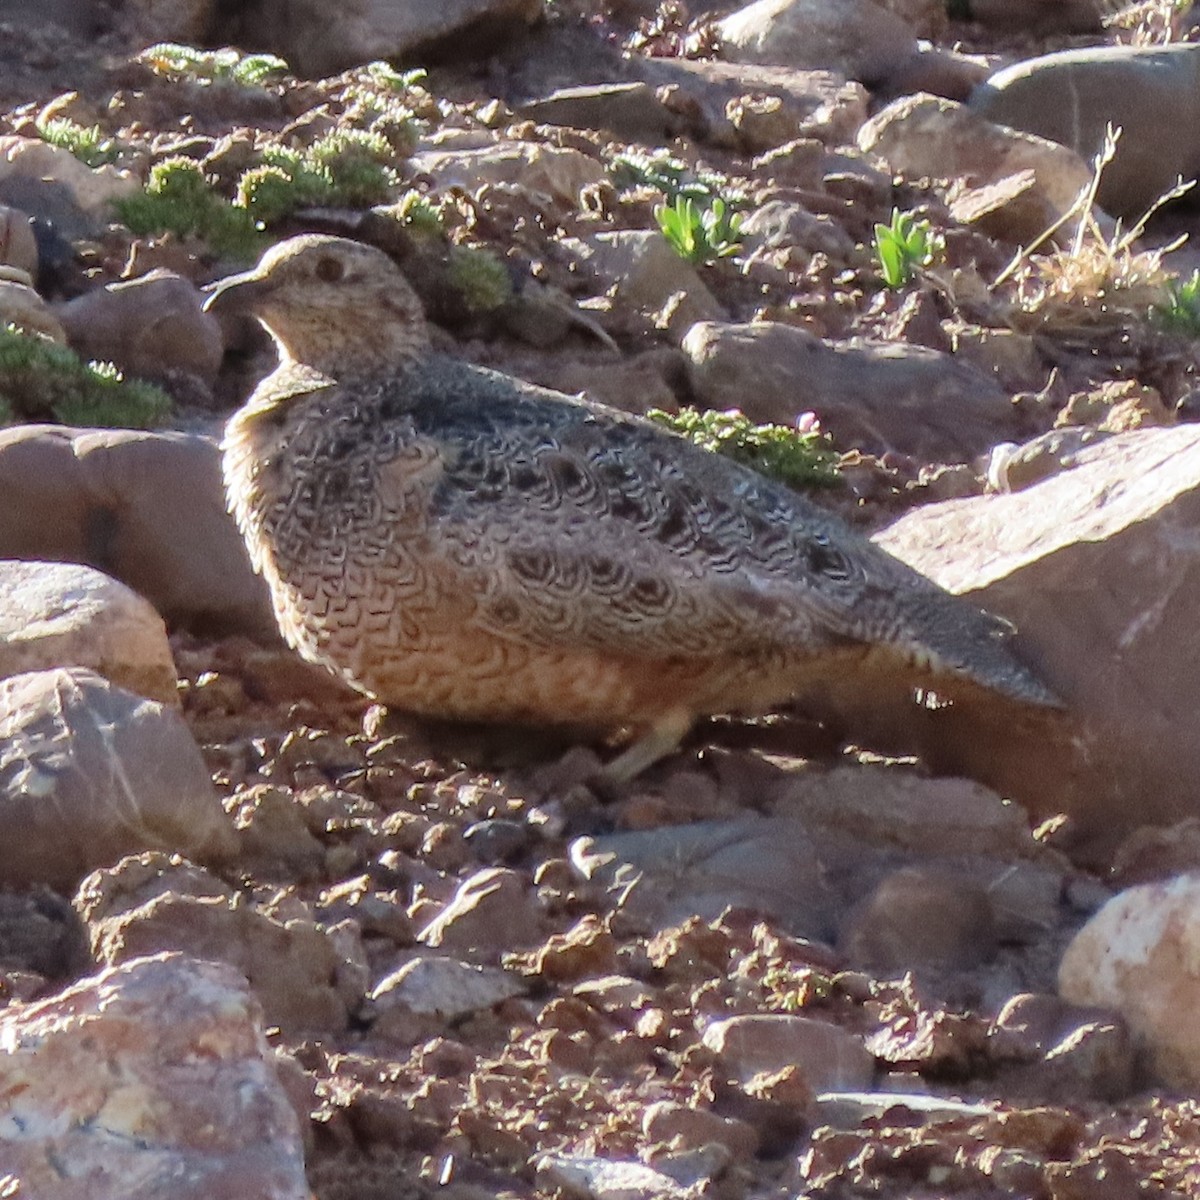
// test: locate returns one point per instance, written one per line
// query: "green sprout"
(86, 142)
(39, 379)
(699, 235)
(177, 61)
(904, 246)
(793, 456)
(1180, 311)
(178, 199)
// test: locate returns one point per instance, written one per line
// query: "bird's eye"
(330, 269)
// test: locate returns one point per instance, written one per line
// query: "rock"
(923, 136)
(798, 163)
(664, 876)
(827, 1057)
(559, 173)
(152, 903)
(1150, 93)
(856, 37)
(630, 111)
(1124, 520)
(1136, 955)
(851, 1110)
(192, 22)
(1012, 467)
(51, 183)
(939, 72)
(492, 911)
(1040, 17)
(65, 615)
(577, 1176)
(149, 1080)
(919, 917)
(1047, 1048)
(645, 274)
(790, 235)
(873, 396)
(18, 243)
(21, 306)
(367, 30)
(92, 772)
(896, 809)
(40, 934)
(149, 327)
(145, 508)
(684, 1127)
(444, 987)
(820, 104)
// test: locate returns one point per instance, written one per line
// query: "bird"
(460, 544)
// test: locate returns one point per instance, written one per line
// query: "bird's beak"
(235, 293)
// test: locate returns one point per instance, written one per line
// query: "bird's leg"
(658, 741)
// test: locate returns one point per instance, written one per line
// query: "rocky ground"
(790, 960)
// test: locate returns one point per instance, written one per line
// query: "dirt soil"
(419, 1106)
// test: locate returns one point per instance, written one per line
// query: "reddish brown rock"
(145, 508)
(152, 903)
(92, 772)
(153, 1079)
(1098, 568)
(491, 912)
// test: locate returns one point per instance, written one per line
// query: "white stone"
(1140, 954)
(69, 615)
(444, 987)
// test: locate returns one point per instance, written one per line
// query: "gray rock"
(18, 245)
(877, 396)
(146, 508)
(850, 1110)
(1151, 93)
(444, 987)
(631, 111)
(91, 772)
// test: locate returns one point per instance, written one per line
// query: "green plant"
(346, 166)
(1180, 311)
(480, 278)
(699, 234)
(419, 215)
(903, 246)
(796, 457)
(86, 142)
(384, 75)
(39, 379)
(213, 66)
(671, 177)
(178, 199)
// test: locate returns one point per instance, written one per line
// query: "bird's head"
(333, 304)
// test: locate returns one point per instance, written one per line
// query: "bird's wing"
(574, 524)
